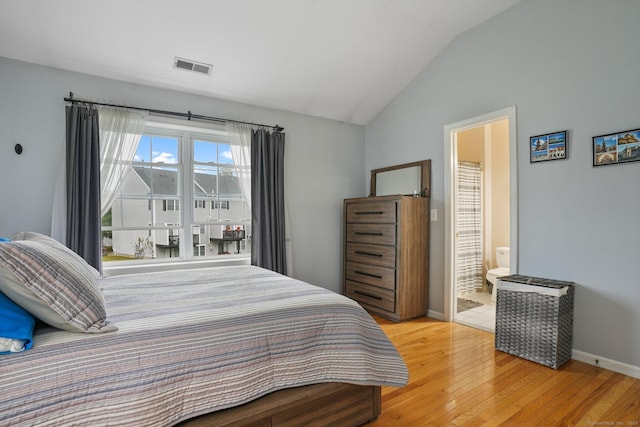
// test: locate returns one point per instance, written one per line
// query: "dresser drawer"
(382, 277)
(384, 256)
(380, 298)
(379, 234)
(375, 212)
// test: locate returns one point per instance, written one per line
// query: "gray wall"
(570, 64)
(324, 160)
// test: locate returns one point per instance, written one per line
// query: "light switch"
(434, 215)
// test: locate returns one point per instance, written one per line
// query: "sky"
(164, 149)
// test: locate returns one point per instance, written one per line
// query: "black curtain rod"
(188, 115)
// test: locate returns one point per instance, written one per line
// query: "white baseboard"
(603, 362)
(435, 315)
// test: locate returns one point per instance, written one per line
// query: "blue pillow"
(4, 239)
(16, 327)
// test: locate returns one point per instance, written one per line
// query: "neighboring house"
(218, 206)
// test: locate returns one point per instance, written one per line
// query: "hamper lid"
(536, 285)
(536, 281)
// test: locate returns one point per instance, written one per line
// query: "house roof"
(165, 182)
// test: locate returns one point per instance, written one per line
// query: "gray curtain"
(268, 244)
(83, 183)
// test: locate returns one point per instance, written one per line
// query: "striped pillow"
(50, 241)
(53, 284)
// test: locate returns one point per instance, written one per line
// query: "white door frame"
(450, 158)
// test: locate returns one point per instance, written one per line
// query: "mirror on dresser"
(406, 179)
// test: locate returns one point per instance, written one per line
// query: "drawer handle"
(368, 274)
(369, 233)
(368, 295)
(367, 253)
(369, 213)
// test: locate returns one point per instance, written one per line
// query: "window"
(177, 165)
(220, 204)
(170, 205)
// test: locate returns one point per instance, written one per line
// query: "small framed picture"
(616, 148)
(550, 146)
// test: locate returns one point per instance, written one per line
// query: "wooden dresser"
(386, 263)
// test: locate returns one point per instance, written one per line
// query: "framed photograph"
(550, 146)
(616, 148)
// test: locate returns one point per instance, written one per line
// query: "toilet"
(502, 259)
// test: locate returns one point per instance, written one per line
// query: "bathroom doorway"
(481, 220)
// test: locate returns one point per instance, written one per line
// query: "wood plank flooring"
(457, 378)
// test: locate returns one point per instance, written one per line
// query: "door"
(451, 132)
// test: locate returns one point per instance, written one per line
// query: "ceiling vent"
(187, 64)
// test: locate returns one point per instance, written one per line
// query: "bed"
(221, 346)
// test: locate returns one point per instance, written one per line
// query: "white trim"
(179, 125)
(487, 198)
(436, 315)
(450, 157)
(603, 362)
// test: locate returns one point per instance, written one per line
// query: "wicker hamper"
(534, 319)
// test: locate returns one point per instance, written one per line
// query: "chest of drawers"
(386, 262)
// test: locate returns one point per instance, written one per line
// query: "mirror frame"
(425, 176)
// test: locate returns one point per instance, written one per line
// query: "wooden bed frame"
(329, 404)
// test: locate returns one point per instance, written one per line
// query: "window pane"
(212, 152)
(234, 211)
(205, 151)
(224, 154)
(167, 243)
(107, 219)
(228, 185)
(164, 149)
(161, 181)
(157, 149)
(130, 245)
(143, 153)
(130, 212)
(205, 181)
(167, 212)
(222, 239)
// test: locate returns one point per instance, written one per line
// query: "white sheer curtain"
(120, 133)
(240, 142)
(59, 211)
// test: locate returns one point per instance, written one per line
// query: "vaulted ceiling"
(337, 59)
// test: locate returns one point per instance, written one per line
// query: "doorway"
(481, 213)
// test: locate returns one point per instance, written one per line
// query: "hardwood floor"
(456, 378)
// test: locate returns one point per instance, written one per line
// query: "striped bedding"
(192, 342)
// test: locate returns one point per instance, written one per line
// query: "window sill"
(155, 266)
